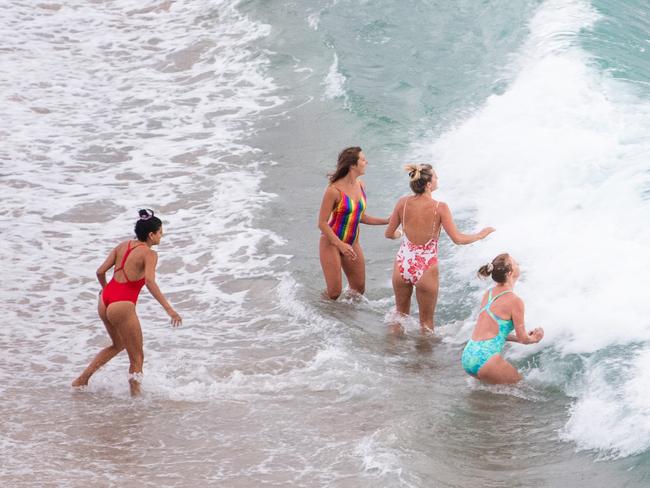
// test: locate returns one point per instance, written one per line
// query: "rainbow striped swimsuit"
(345, 218)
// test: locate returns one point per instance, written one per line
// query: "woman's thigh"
(355, 269)
(403, 291)
(426, 291)
(498, 371)
(330, 261)
(113, 333)
(123, 318)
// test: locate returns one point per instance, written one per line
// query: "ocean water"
(225, 117)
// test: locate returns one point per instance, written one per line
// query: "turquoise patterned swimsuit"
(477, 353)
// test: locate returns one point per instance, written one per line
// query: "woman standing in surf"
(342, 210)
(416, 263)
(117, 299)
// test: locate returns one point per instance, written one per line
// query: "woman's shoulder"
(512, 298)
(333, 191)
(440, 205)
(122, 245)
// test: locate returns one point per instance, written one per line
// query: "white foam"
(558, 164)
(335, 81)
(377, 458)
(612, 413)
(135, 108)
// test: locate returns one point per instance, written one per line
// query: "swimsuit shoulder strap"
(341, 200)
(486, 307)
(128, 250)
(436, 234)
(500, 294)
(126, 255)
(491, 300)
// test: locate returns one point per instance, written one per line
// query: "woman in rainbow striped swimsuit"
(341, 211)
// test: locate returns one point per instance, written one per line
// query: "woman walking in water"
(501, 312)
(341, 211)
(416, 263)
(117, 299)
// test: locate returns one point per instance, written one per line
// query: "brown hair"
(498, 268)
(420, 175)
(347, 158)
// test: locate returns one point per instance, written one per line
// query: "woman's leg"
(355, 269)
(330, 261)
(403, 291)
(106, 354)
(123, 315)
(498, 371)
(426, 293)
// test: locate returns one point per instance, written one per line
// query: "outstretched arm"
(369, 220)
(326, 206)
(150, 261)
(108, 263)
(452, 231)
(520, 335)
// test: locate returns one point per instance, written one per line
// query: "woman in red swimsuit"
(135, 266)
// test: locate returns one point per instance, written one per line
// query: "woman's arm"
(520, 335)
(395, 221)
(452, 231)
(108, 263)
(150, 261)
(330, 200)
(368, 220)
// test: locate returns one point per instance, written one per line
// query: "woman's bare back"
(420, 219)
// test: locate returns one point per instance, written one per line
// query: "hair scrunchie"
(413, 171)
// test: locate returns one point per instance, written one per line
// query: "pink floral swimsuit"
(414, 259)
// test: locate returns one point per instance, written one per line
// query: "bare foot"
(79, 383)
(396, 329)
(135, 379)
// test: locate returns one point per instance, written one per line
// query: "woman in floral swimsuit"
(416, 263)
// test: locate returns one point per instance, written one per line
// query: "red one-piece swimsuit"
(122, 292)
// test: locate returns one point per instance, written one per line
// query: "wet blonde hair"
(420, 175)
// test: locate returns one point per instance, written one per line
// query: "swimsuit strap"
(435, 213)
(345, 195)
(490, 301)
(126, 255)
(500, 294)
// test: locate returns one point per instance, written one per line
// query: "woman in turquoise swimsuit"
(501, 312)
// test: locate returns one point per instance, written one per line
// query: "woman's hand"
(536, 335)
(176, 319)
(347, 251)
(485, 232)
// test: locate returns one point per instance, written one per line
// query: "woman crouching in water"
(117, 299)
(342, 210)
(496, 320)
(416, 263)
